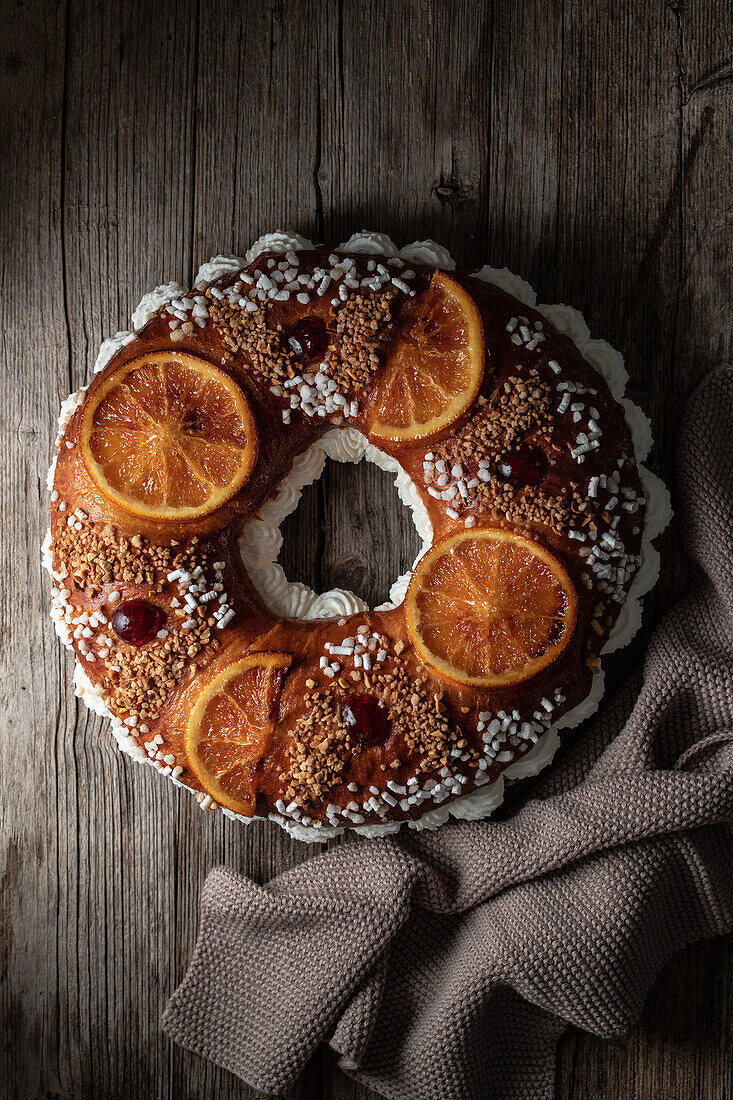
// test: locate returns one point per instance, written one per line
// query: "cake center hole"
(350, 530)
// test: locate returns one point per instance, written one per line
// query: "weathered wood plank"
(680, 1048)
(428, 118)
(129, 108)
(674, 237)
(32, 673)
(251, 157)
(405, 110)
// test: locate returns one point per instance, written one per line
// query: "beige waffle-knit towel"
(445, 965)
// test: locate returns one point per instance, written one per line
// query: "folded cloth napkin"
(446, 965)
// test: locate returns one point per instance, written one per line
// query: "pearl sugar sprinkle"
(186, 315)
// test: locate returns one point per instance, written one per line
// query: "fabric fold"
(447, 964)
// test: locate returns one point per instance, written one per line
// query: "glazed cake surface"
(215, 580)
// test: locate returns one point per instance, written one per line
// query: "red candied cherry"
(524, 466)
(137, 621)
(308, 340)
(366, 718)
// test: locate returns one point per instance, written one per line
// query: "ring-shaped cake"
(512, 443)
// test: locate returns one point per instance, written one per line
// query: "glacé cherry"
(308, 340)
(137, 621)
(367, 720)
(525, 466)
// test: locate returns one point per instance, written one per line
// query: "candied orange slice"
(230, 727)
(169, 436)
(490, 608)
(432, 367)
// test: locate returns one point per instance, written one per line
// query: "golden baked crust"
(445, 740)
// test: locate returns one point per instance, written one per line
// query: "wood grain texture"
(586, 145)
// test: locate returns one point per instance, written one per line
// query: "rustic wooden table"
(584, 143)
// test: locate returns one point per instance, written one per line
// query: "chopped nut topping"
(137, 680)
(322, 747)
(250, 333)
(362, 324)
